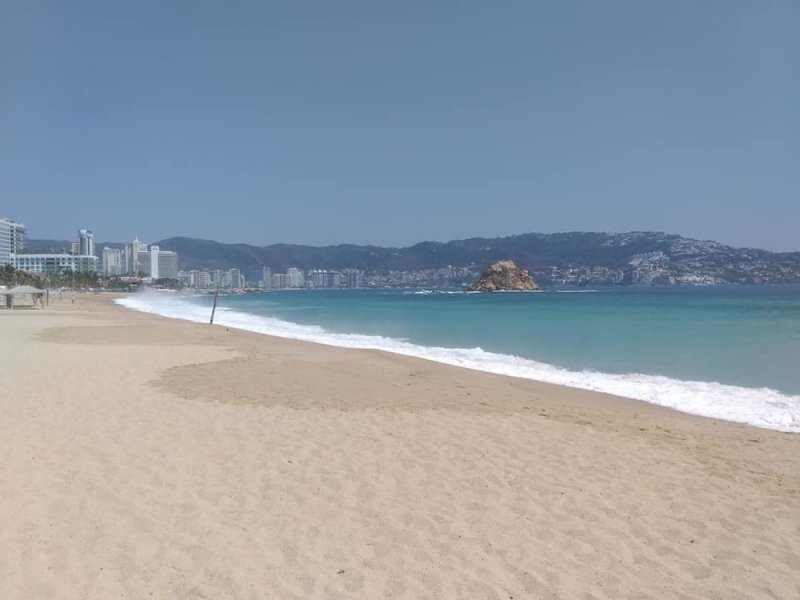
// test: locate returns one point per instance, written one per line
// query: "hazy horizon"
(389, 125)
(100, 240)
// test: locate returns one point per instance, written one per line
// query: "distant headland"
(556, 259)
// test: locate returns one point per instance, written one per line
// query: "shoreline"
(760, 407)
(145, 454)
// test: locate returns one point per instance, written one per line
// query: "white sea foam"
(432, 292)
(760, 407)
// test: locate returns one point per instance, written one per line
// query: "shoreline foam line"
(763, 407)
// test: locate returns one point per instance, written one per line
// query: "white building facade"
(295, 278)
(12, 240)
(86, 242)
(112, 262)
(131, 257)
(154, 271)
(235, 281)
(195, 278)
(157, 263)
(56, 264)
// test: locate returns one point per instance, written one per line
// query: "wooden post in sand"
(214, 308)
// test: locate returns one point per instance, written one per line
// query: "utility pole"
(214, 308)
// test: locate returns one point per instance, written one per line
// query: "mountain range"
(553, 258)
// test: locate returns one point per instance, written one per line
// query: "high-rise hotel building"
(86, 242)
(131, 257)
(112, 262)
(56, 264)
(12, 240)
(295, 278)
(157, 263)
(235, 281)
(12, 245)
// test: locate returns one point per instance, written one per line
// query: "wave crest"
(762, 407)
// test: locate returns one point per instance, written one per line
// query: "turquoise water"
(724, 352)
(745, 336)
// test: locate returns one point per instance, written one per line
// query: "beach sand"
(144, 457)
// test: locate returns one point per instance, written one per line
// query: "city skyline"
(127, 238)
(652, 259)
(391, 125)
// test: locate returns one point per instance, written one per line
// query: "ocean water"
(726, 352)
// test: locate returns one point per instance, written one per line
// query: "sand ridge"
(145, 457)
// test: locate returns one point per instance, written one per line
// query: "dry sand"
(149, 458)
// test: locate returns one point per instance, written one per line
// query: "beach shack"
(23, 296)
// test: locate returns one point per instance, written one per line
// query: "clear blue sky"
(396, 122)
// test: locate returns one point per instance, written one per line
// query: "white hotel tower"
(86, 241)
(12, 240)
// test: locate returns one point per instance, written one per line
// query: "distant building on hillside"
(352, 278)
(235, 279)
(280, 281)
(295, 278)
(12, 240)
(316, 278)
(325, 279)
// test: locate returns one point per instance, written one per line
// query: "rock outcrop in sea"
(504, 275)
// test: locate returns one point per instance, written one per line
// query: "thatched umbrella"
(36, 295)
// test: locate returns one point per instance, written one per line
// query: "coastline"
(160, 455)
(754, 403)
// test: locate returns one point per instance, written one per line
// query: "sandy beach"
(152, 458)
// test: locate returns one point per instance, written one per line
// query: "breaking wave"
(762, 407)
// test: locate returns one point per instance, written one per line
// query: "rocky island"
(504, 275)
